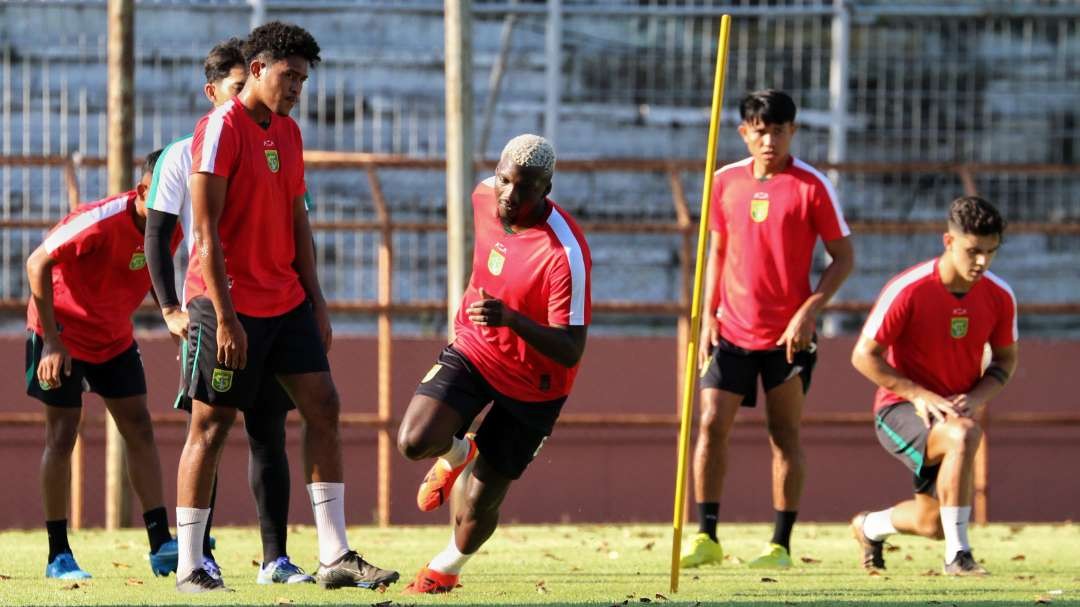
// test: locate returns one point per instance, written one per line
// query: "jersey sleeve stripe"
(211, 137)
(831, 191)
(575, 258)
(80, 223)
(168, 157)
(1005, 287)
(734, 165)
(891, 294)
(489, 182)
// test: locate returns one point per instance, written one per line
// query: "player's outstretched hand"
(933, 408)
(176, 320)
(231, 343)
(55, 360)
(710, 338)
(799, 334)
(489, 312)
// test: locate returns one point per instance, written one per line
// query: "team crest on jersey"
(221, 381)
(497, 259)
(272, 160)
(759, 207)
(958, 327)
(138, 261)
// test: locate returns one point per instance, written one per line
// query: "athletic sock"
(450, 560)
(328, 503)
(190, 527)
(459, 450)
(206, 551)
(785, 520)
(58, 540)
(954, 522)
(708, 514)
(268, 474)
(878, 525)
(157, 527)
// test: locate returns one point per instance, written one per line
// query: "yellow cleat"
(701, 550)
(774, 556)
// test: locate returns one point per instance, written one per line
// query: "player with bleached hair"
(519, 337)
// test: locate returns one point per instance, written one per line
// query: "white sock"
(459, 450)
(328, 503)
(954, 522)
(190, 527)
(878, 525)
(450, 560)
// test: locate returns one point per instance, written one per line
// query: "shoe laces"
(211, 567)
(282, 563)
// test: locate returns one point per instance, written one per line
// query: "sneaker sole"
(368, 585)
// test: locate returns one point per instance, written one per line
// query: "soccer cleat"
(200, 580)
(429, 581)
(774, 556)
(352, 571)
(702, 550)
(164, 561)
(440, 479)
(64, 567)
(211, 567)
(873, 558)
(282, 571)
(964, 564)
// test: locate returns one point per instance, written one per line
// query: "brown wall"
(595, 475)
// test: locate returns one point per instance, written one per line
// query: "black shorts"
(513, 431)
(288, 344)
(119, 377)
(736, 370)
(903, 434)
(271, 396)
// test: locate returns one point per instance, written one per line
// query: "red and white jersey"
(542, 273)
(99, 279)
(769, 229)
(265, 169)
(935, 338)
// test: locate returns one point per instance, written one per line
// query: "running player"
(768, 211)
(254, 303)
(519, 337)
(923, 345)
(268, 468)
(86, 280)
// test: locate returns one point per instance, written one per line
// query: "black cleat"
(964, 564)
(352, 571)
(201, 581)
(873, 558)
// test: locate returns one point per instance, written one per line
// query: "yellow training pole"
(690, 369)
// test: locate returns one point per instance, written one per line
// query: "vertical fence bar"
(385, 342)
(459, 147)
(553, 70)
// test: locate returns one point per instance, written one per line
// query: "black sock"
(157, 527)
(58, 542)
(708, 513)
(207, 553)
(781, 535)
(268, 474)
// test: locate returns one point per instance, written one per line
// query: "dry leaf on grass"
(281, 600)
(768, 580)
(575, 568)
(930, 573)
(908, 557)
(121, 565)
(660, 597)
(731, 558)
(696, 577)
(1042, 599)
(134, 582)
(1024, 577)
(650, 545)
(1019, 557)
(892, 548)
(4, 577)
(873, 573)
(71, 587)
(1014, 529)
(548, 555)
(646, 599)
(810, 560)
(541, 587)
(383, 604)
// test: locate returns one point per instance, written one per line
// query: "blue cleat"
(283, 571)
(64, 567)
(164, 561)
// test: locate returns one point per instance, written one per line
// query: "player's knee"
(413, 444)
(61, 436)
(714, 427)
(930, 527)
(964, 434)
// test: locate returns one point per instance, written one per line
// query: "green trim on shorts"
(183, 361)
(905, 447)
(31, 371)
(198, 348)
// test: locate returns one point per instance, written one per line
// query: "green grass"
(578, 565)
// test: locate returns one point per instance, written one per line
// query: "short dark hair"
(225, 55)
(278, 40)
(974, 215)
(769, 106)
(151, 161)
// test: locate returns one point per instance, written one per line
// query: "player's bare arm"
(562, 344)
(54, 355)
(306, 268)
(710, 326)
(207, 203)
(869, 359)
(1003, 363)
(800, 330)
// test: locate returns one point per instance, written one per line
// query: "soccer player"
(923, 345)
(268, 467)
(86, 280)
(768, 211)
(519, 337)
(254, 303)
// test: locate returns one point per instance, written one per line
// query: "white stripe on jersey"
(889, 295)
(169, 193)
(831, 191)
(212, 135)
(1005, 286)
(576, 260)
(72, 228)
(728, 167)
(489, 182)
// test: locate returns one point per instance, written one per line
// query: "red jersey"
(265, 169)
(99, 279)
(542, 273)
(935, 338)
(768, 230)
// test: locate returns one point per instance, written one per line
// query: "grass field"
(578, 565)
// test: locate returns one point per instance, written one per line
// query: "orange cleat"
(435, 488)
(429, 581)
